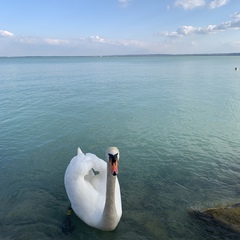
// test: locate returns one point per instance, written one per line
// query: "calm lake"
(175, 120)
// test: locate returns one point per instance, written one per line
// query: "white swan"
(93, 189)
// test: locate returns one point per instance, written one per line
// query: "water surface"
(176, 121)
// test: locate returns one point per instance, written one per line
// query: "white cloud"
(236, 16)
(189, 4)
(234, 24)
(188, 30)
(126, 42)
(54, 41)
(97, 39)
(135, 43)
(217, 3)
(4, 33)
(27, 40)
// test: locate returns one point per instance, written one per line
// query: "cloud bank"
(191, 4)
(77, 43)
(188, 30)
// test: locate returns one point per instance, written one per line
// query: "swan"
(93, 189)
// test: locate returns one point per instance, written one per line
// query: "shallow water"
(176, 121)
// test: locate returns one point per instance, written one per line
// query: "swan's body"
(93, 189)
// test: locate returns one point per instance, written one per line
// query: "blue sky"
(109, 27)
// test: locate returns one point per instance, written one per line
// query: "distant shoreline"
(175, 55)
(138, 55)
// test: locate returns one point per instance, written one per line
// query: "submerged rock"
(228, 216)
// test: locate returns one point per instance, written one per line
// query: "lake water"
(175, 120)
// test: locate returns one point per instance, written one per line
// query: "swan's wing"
(98, 181)
(85, 168)
(84, 188)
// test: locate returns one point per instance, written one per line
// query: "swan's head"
(112, 156)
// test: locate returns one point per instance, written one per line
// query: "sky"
(118, 27)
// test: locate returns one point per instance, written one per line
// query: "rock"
(228, 216)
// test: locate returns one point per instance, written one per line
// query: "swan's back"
(85, 189)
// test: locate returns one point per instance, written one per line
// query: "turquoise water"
(175, 120)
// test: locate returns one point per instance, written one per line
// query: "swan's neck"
(109, 217)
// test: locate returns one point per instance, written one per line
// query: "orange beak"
(114, 167)
(113, 162)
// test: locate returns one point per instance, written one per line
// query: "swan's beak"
(113, 161)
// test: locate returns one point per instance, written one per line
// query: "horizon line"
(132, 55)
